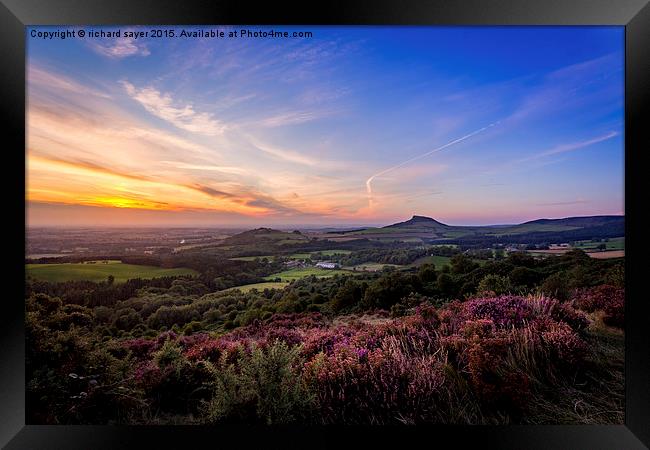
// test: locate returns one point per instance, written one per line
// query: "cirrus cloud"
(183, 117)
(121, 48)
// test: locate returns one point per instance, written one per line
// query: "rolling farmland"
(99, 271)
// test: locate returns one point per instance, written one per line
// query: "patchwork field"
(326, 253)
(300, 256)
(296, 274)
(303, 255)
(594, 254)
(99, 271)
(608, 254)
(373, 267)
(334, 252)
(612, 244)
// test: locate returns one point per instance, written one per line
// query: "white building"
(327, 265)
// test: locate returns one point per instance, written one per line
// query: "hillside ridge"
(419, 221)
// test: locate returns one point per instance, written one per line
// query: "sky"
(354, 126)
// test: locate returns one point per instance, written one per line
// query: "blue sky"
(356, 125)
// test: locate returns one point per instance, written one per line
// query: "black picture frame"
(634, 15)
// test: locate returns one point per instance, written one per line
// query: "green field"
(438, 261)
(99, 271)
(334, 252)
(308, 255)
(374, 267)
(305, 255)
(259, 286)
(296, 274)
(300, 256)
(412, 240)
(529, 228)
(612, 244)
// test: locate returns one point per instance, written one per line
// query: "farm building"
(327, 265)
(293, 263)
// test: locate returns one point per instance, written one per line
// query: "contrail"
(415, 158)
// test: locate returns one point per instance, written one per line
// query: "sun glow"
(264, 133)
(96, 186)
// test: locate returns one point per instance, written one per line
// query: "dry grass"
(608, 254)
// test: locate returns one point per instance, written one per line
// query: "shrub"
(170, 316)
(213, 315)
(44, 303)
(494, 284)
(265, 386)
(192, 327)
(126, 319)
(348, 295)
(170, 356)
(388, 290)
(427, 273)
(524, 276)
(102, 314)
(397, 310)
(461, 264)
(616, 276)
(557, 286)
(445, 285)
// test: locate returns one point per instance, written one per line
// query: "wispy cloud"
(211, 191)
(573, 202)
(294, 118)
(99, 133)
(80, 164)
(184, 117)
(37, 76)
(566, 88)
(565, 148)
(160, 138)
(206, 167)
(415, 158)
(281, 153)
(539, 159)
(121, 48)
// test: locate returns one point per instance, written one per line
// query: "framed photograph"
(361, 224)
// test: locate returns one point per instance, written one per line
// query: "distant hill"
(426, 229)
(581, 222)
(420, 222)
(265, 236)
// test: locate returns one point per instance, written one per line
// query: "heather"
(477, 361)
(499, 343)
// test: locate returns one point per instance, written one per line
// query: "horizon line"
(297, 226)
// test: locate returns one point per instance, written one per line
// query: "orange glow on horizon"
(79, 184)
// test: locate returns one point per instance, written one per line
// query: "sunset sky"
(356, 125)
